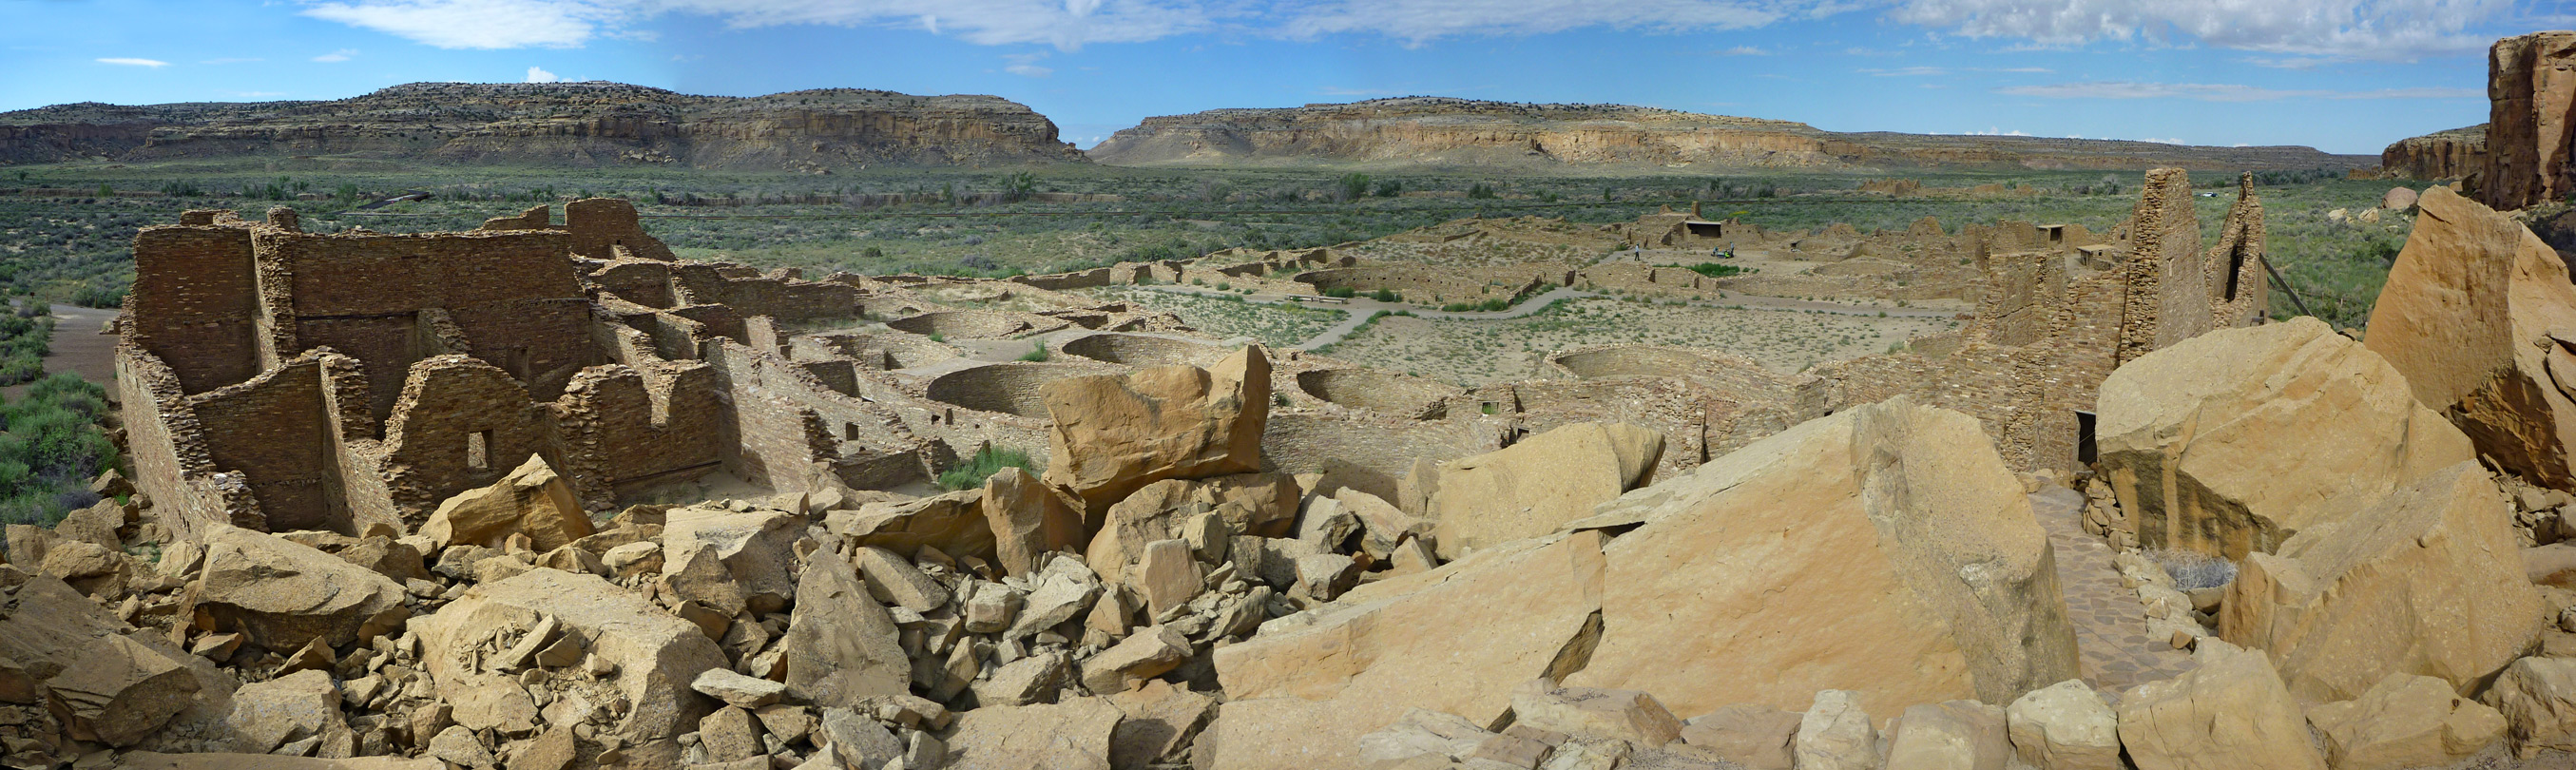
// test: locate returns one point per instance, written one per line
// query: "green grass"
(50, 448)
(986, 462)
(1037, 353)
(25, 334)
(1713, 269)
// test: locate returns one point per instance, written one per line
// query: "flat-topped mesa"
(1425, 130)
(582, 124)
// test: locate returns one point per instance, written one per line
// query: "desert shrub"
(50, 447)
(1037, 353)
(986, 462)
(1341, 292)
(1387, 295)
(2193, 571)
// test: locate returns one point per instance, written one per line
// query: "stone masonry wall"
(195, 303)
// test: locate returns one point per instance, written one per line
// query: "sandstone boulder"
(841, 645)
(2230, 442)
(145, 760)
(268, 714)
(284, 595)
(1627, 715)
(120, 691)
(1251, 504)
(1073, 735)
(1532, 487)
(1028, 521)
(1835, 734)
(2479, 317)
(2398, 199)
(2405, 721)
(955, 523)
(2064, 726)
(1889, 541)
(532, 500)
(2538, 699)
(732, 561)
(2229, 713)
(655, 656)
(47, 626)
(1455, 640)
(1160, 721)
(2427, 581)
(1957, 735)
(1115, 433)
(1756, 737)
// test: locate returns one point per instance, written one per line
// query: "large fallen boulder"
(1262, 504)
(532, 500)
(1073, 735)
(1884, 550)
(2231, 442)
(1115, 433)
(120, 691)
(2229, 712)
(1455, 640)
(1531, 487)
(840, 646)
(956, 523)
(283, 594)
(145, 760)
(2427, 582)
(732, 560)
(654, 656)
(304, 704)
(2479, 316)
(2405, 721)
(1028, 520)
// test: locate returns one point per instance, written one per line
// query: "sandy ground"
(1476, 353)
(78, 347)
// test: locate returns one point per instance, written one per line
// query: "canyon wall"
(576, 124)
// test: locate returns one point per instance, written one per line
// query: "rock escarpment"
(2531, 125)
(1460, 132)
(2438, 155)
(578, 124)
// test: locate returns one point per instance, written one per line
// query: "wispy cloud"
(338, 56)
(2220, 92)
(1744, 50)
(2372, 29)
(537, 75)
(133, 62)
(1026, 65)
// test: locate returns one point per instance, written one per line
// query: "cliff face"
(583, 124)
(2441, 155)
(1458, 132)
(2531, 121)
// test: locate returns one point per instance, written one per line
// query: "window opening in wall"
(850, 431)
(2235, 267)
(478, 450)
(2084, 437)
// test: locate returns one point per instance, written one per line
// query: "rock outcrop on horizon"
(2531, 127)
(558, 124)
(1440, 131)
(2451, 154)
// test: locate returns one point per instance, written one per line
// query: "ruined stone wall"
(776, 296)
(274, 430)
(2240, 295)
(770, 439)
(622, 429)
(1435, 286)
(167, 448)
(195, 303)
(2168, 287)
(1080, 279)
(450, 406)
(607, 228)
(643, 283)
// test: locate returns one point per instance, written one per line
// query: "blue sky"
(2345, 76)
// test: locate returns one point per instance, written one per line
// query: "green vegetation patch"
(50, 447)
(986, 462)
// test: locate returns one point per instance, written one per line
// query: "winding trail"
(78, 347)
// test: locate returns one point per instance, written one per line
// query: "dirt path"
(78, 347)
(2110, 623)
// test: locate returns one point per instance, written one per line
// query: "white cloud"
(1026, 64)
(337, 56)
(481, 23)
(2339, 29)
(1744, 50)
(2215, 92)
(2373, 29)
(536, 75)
(1992, 131)
(132, 62)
